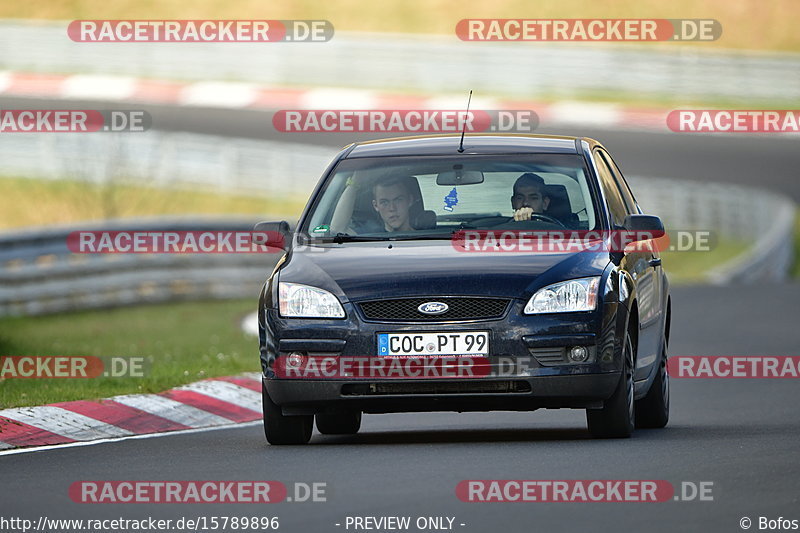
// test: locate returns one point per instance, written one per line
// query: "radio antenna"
(464, 129)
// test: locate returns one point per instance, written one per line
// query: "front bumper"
(540, 383)
(514, 393)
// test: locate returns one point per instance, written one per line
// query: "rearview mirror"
(459, 177)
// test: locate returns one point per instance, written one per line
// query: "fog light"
(295, 360)
(578, 354)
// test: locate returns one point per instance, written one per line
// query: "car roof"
(473, 144)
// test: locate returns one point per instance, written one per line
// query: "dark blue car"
(428, 276)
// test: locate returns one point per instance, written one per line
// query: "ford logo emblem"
(433, 308)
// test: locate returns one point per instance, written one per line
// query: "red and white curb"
(223, 94)
(204, 404)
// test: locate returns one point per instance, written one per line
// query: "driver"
(530, 196)
(392, 199)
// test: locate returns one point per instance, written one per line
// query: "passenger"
(392, 199)
(530, 196)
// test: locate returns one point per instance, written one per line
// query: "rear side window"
(616, 204)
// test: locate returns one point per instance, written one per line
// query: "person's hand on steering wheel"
(523, 213)
(526, 213)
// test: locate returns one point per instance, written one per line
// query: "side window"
(613, 197)
(627, 195)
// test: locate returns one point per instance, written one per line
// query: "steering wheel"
(546, 218)
(503, 220)
(537, 216)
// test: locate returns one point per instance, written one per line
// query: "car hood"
(369, 270)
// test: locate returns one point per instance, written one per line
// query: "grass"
(211, 345)
(747, 24)
(182, 343)
(34, 202)
(684, 267)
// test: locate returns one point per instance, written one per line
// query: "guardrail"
(423, 63)
(763, 219)
(168, 159)
(39, 274)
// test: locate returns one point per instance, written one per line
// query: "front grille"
(454, 387)
(405, 309)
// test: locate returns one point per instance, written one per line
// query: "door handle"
(655, 262)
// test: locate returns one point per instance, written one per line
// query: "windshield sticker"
(321, 229)
(451, 200)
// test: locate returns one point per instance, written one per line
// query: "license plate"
(424, 344)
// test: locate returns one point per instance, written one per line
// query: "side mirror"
(643, 223)
(272, 234)
(643, 227)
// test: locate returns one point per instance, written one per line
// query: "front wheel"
(652, 411)
(616, 419)
(282, 429)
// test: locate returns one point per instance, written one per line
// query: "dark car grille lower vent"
(549, 356)
(405, 309)
(460, 387)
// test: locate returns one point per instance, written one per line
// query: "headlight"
(295, 300)
(565, 297)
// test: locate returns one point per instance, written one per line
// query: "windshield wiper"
(339, 238)
(424, 237)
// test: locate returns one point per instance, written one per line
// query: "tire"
(339, 423)
(616, 419)
(281, 429)
(652, 411)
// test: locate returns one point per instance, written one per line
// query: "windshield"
(426, 197)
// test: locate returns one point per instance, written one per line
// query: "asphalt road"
(741, 435)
